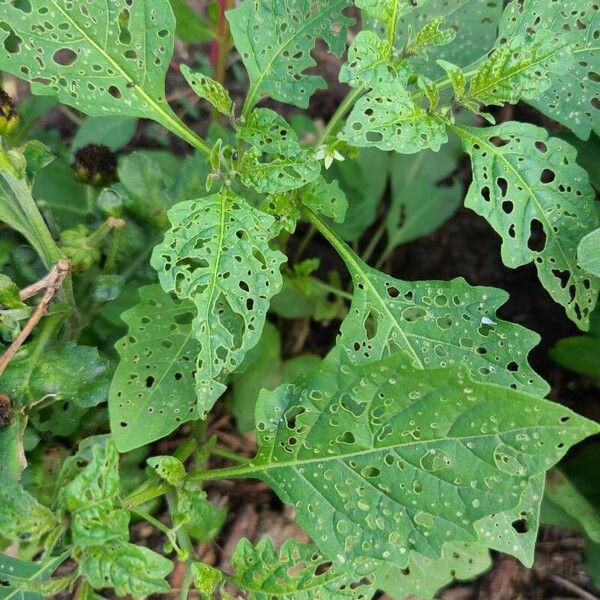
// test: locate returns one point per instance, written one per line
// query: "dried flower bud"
(5, 410)
(9, 119)
(95, 164)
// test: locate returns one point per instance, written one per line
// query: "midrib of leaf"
(517, 71)
(463, 133)
(315, 584)
(255, 466)
(355, 267)
(251, 98)
(393, 25)
(171, 121)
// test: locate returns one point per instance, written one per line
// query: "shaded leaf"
(114, 132)
(152, 390)
(191, 28)
(20, 578)
(531, 190)
(275, 41)
(588, 253)
(217, 255)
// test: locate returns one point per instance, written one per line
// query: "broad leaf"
(430, 36)
(209, 90)
(152, 390)
(275, 40)
(269, 132)
(535, 195)
(91, 498)
(191, 28)
(217, 255)
(114, 132)
(127, 568)
(295, 572)
(388, 119)
(18, 577)
(518, 70)
(572, 98)
(588, 253)
(104, 58)
(325, 198)
(422, 455)
(435, 323)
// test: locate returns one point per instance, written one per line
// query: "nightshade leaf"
(152, 390)
(275, 40)
(169, 468)
(572, 97)
(383, 459)
(19, 577)
(294, 572)
(217, 255)
(431, 36)
(127, 568)
(588, 253)
(387, 118)
(535, 195)
(515, 531)
(518, 70)
(269, 132)
(325, 198)
(210, 90)
(436, 323)
(456, 76)
(103, 58)
(278, 175)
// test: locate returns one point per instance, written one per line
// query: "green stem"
(340, 113)
(333, 290)
(374, 242)
(306, 240)
(223, 453)
(160, 526)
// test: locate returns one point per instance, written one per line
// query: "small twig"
(51, 283)
(573, 587)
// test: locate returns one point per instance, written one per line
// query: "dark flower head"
(95, 164)
(9, 119)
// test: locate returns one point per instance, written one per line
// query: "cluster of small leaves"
(425, 419)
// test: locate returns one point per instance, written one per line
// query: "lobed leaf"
(572, 97)
(383, 459)
(430, 36)
(210, 90)
(217, 255)
(388, 119)
(152, 390)
(269, 132)
(535, 195)
(103, 58)
(275, 40)
(325, 198)
(369, 62)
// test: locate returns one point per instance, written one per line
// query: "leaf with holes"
(535, 195)
(210, 90)
(369, 61)
(270, 133)
(435, 323)
(515, 531)
(104, 58)
(518, 70)
(475, 23)
(572, 97)
(275, 40)
(294, 572)
(152, 390)
(281, 174)
(217, 255)
(430, 36)
(325, 198)
(388, 119)
(383, 459)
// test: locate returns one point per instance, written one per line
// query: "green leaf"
(210, 90)
(387, 12)
(108, 59)
(200, 517)
(217, 255)
(456, 76)
(275, 41)
(169, 468)
(527, 184)
(515, 531)
(191, 28)
(388, 119)
(150, 399)
(295, 572)
(22, 517)
(127, 568)
(424, 577)
(572, 96)
(588, 253)
(436, 323)
(280, 174)
(19, 578)
(268, 132)
(474, 21)
(518, 70)
(431, 36)
(564, 494)
(114, 132)
(419, 204)
(325, 198)
(12, 451)
(91, 498)
(422, 455)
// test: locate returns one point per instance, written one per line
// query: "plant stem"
(333, 290)
(223, 453)
(340, 113)
(374, 242)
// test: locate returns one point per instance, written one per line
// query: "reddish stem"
(222, 30)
